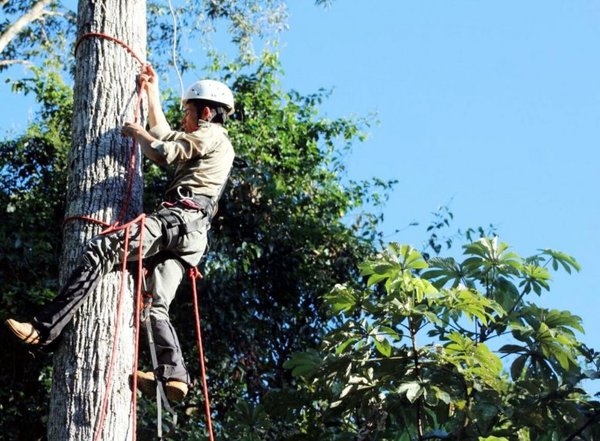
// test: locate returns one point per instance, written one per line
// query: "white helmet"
(211, 90)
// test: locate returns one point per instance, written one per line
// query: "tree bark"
(104, 98)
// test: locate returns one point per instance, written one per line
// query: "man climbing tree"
(174, 237)
(204, 157)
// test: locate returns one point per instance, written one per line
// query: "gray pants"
(104, 252)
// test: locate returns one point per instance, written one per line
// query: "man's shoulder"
(205, 126)
(214, 132)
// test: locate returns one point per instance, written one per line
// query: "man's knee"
(101, 252)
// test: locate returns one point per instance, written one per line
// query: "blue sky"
(490, 107)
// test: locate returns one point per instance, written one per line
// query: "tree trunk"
(105, 97)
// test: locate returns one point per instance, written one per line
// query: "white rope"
(174, 52)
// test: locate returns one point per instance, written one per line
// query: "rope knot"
(194, 273)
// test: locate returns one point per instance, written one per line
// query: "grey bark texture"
(99, 161)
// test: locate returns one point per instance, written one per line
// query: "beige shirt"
(203, 158)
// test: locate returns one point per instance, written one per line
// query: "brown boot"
(175, 390)
(25, 332)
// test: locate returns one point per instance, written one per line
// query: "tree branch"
(25, 20)
(413, 336)
(4, 63)
(593, 418)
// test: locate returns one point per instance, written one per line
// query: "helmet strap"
(206, 114)
(210, 114)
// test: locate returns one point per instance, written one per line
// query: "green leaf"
(411, 390)
(442, 395)
(563, 319)
(562, 357)
(345, 344)
(383, 346)
(567, 262)
(304, 363)
(346, 390)
(511, 349)
(390, 332)
(517, 366)
(385, 268)
(489, 253)
(408, 257)
(376, 278)
(341, 299)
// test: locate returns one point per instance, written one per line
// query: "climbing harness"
(174, 226)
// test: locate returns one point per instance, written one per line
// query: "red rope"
(85, 218)
(132, 155)
(193, 274)
(138, 305)
(116, 227)
(133, 150)
(108, 37)
(108, 380)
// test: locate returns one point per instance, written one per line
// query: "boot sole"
(31, 339)
(148, 388)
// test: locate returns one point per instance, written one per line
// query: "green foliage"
(446, 349)
(403, 346)
(282, 237)
(243, 21)
(52, 35)
(32, 186)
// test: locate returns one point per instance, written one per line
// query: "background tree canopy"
(314, 327)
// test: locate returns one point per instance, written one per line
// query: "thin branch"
(593, 418)
(413, 335)
(378, 359)
(22, 22)
(68, 14)
(4, 63)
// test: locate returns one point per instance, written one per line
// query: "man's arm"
(145, 141)
(156, 116)
(150, 82)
